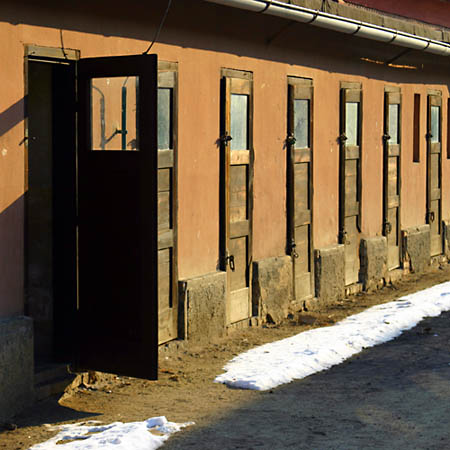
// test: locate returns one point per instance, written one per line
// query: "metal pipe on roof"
(339, 24)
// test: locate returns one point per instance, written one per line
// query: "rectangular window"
(351, 122)
(435, 123)
(113, 113)
(448, 128)
(393, 123)
(301, 123)
(416, 125)
(239, 121)
(165, 118)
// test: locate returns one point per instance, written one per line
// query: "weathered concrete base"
(272, 289)
(202, 307)
(446, 231)
(373, 253)
(16, 365)
(416, 248)
(330, 273)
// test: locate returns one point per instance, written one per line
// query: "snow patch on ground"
(280, 362)
(115, 436)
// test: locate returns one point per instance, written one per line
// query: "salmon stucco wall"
(194, 37)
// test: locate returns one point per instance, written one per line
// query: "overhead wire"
(158, 31)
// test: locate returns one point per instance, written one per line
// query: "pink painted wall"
(431, 11)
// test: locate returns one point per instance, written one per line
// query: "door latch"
(343, 238)
(230, 262)
(387, 228)
(225, 138)
(294, 253)
(290, 140)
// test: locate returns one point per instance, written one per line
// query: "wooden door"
(350, 180)
(299, 185)
(167, 143)
(434, 174)
(391, 177)
(236, 192)
(117, 215)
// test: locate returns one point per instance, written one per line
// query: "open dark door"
(117, 215)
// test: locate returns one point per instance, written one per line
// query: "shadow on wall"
(201, 25)
(12, 116)
(12, 258)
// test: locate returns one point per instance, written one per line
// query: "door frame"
(392, 91)
(64, 311)
(225, 164)
(304, 85)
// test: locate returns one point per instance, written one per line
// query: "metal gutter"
(340, 24)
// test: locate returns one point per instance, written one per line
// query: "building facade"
(260, 165)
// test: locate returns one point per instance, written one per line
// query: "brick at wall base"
(16, 365)
(373, 253)
(329, 265)
(202, 307)
(416, 248)
(272, 288)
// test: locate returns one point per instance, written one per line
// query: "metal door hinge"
(294, 253)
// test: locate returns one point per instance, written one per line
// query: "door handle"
(230, 262)
(343, 138)
(386, 137)
(431, 216)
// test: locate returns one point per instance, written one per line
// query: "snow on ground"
(115, 436)
(280, 362)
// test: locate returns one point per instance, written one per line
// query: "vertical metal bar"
(124, 118)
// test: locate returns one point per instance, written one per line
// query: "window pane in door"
(435, 123)
(239, 122)
(164, 118)
(301, 123)
(114, 113)
(393, 123)
(351, 122)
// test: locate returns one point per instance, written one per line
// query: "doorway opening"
(50, 211)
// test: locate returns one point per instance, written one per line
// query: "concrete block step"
(46, 372)
(51, 379)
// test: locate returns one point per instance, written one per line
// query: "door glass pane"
(239, 122)
(435, 123)
(393, 123)
(351, 122)
(114, 113)
(164, 118)
(301, 123)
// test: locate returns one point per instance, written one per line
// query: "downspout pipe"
(340, 24)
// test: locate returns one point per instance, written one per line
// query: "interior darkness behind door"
(117, 194)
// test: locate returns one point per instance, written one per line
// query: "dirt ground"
(321, 411)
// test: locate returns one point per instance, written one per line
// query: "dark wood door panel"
(117, 226)
(391, 176)
(299, 185)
